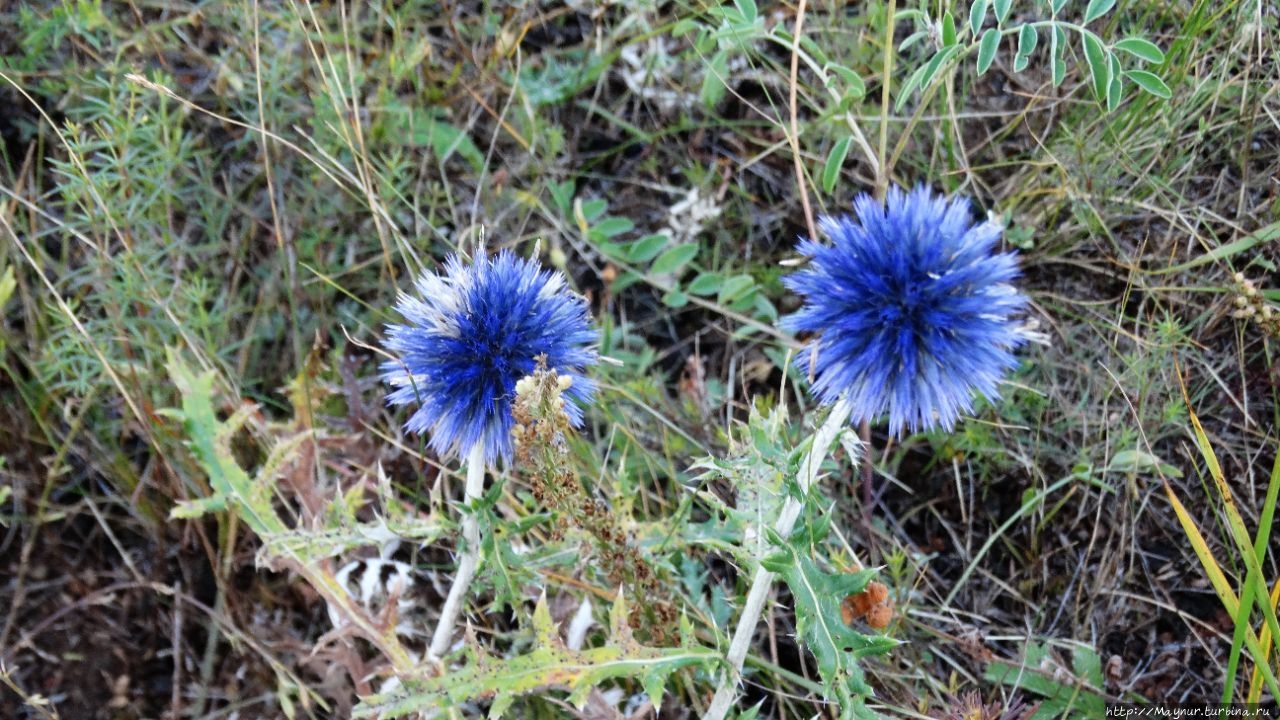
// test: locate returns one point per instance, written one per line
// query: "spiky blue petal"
(914, 311)
(470, 334)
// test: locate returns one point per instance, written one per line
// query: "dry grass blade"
(1254, 586)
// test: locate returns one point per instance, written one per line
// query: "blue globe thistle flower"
(470, 334)
(914, 311)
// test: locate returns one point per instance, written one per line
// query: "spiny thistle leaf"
(544, 629)
(759, 463)
(619, 629)
(549, 665)
(209, 441)
(836, 646)
(251, 498)
(345, 534)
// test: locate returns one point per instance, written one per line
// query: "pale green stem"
(727, 692)
(468, 562)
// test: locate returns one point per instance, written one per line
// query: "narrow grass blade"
(1258, 584)
(1217, 579)
(1256, 680)
(1253, 586)
(1260, 236)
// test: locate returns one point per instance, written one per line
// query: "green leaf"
(647, 248)
(705, 42)
(835, 161)
(913, 81)
(1136, 462)
(673, 260)
(420, 128)
(1087, 664)
(674, 298)
(586, 211)
(1027, 38)
(1057, 62)
(977, 15)
(1143, 49)
(1115, 88)
(938, 62)
(948, 29)
(764, 310)
(1254, 586)
(735, 287)
(705, 284)
(612, 226)
(1020, 63)
(912, 39)
(987, 48)
(684, 27)
(7, 285)
(626, 280)
(655, 686)
(210, 442)
(1058, 5)
(713, 80)
(1096, 9)
(507, 570)
(837, 647)
(612, 250)
(190, 509)
(856, 88)
(1149, 82)
(562, 195)
(1045, 674)
(1095, 56)
(561, 77)
(1002, 10)
(1059, 68)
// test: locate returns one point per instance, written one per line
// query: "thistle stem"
(868, 474)
(468, 562)
(727, 692)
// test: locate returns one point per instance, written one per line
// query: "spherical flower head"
(472, 333)
(914, 311)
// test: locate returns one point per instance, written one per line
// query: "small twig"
(727, 692)
(175, 695)
(209, 658)
(36, 703)
(469, 561)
